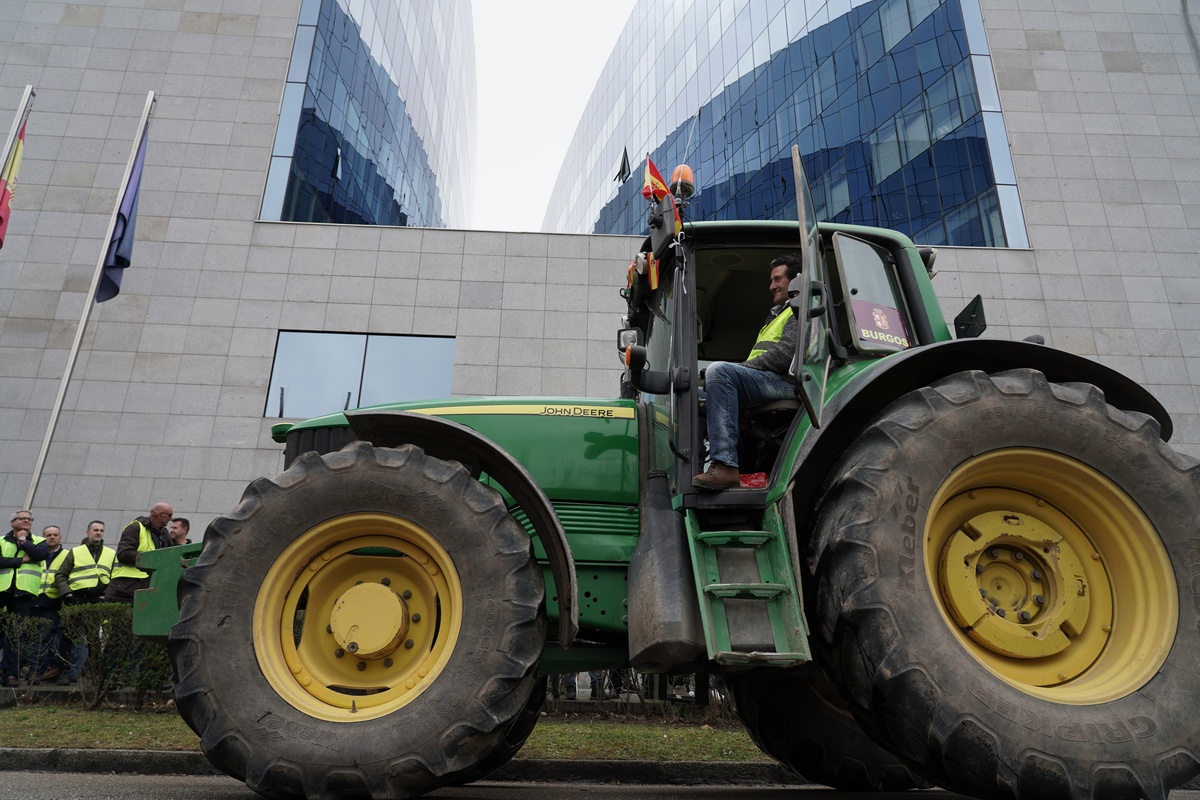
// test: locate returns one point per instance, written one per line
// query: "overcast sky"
(537, 63)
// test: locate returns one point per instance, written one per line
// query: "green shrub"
(27, 636)
(116, 658)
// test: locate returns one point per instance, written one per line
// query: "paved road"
(85, 786)
(82, 786)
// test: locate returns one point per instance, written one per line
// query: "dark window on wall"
(319, 373)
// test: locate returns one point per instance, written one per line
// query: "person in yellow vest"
(761, 378)
(140, 536)
(21, 557)
(46, 605)
(82, 577)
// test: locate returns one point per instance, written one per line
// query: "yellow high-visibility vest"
(50, 571)
(771, 333)
(28, 575)
(145, 545)
(89, 573)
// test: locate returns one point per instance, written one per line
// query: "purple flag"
(120, 247)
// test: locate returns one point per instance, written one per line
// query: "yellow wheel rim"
(357, 617)
(1050, 576)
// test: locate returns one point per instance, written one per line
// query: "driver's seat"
(766, 424)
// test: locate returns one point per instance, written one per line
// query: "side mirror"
(649, 380)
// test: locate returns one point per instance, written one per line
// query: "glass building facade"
(377, 122)
(893, 104)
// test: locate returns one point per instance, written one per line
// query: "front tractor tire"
(1005, 572)
(367, 624)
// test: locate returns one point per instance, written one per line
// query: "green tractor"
(968, 562)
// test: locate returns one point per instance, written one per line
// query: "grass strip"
(605, 737)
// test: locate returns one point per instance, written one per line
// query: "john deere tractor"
(969, 562)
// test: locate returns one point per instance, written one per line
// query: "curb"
(122, 762)
(670, 773)
(164, 762)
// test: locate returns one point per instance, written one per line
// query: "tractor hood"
(580, 449)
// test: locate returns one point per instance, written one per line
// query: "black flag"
(623, 172)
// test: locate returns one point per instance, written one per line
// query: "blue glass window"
(883, 97)
(377, 133)
(321, 373)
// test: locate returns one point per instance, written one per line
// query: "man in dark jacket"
(140, 536)
(761, 378)
(21, 557)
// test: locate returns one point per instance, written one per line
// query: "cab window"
(879, 320)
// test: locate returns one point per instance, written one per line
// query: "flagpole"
(73, 356)
(18, 121)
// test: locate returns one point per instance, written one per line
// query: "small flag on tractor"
(655, 188)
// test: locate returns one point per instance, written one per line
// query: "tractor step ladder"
(750, 604)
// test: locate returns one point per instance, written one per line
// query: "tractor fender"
(447, 440)
(854, 407)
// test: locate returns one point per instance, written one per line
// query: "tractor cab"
(698, 293)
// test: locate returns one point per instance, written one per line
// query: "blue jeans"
(79, 656)
(728, 387)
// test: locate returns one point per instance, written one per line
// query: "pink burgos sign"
(879, 326)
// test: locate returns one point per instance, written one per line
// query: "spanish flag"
(8, 181)
(655, 188)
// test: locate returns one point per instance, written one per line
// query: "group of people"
(38, 575)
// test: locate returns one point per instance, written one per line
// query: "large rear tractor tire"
(367, 624)
(1006, 590)
(797, 718)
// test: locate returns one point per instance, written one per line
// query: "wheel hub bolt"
(387, 662)
(386, 581)
(994, 553)
(1001, 612)
(978, 568)
(1018, 555)
(352, 647)
(1039, 599)
(406, 594)
(1036, 574)
(1025, 616)
(408, 644)
(983, 592)
(329, 629)
(416, 617)
(362, 665)
(339, 653)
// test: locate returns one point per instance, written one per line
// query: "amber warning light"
(683, 183)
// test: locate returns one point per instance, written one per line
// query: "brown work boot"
(717, 477)
(50, 674)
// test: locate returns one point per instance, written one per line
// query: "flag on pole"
(10, 159)
(623, 171)
(655, 188)
(8, 182)
(120, 245)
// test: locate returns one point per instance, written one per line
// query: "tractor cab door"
(810, 303)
